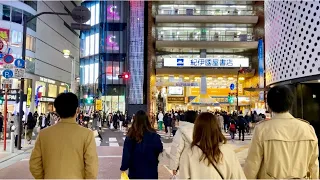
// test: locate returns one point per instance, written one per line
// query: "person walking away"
(141, 149)
(168, 125)
(241, 125)
(1, 126)
(35, 116)
(96, 125)
(65, 150)
(31, 123)
(160, 120)
(182, 139)
(226, 121)
(121, 119)
(173, 125)
(283, 147)
(221, 120)
(16, 130)
(209, 157)
(232, 129)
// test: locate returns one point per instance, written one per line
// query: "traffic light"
(89, 100)
(1, 99)
(230, 98)
(124, 76)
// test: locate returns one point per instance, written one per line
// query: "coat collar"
(285, 115)
(68, 120)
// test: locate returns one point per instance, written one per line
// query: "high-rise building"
(200, 47)
(47, 71)
(114, 46)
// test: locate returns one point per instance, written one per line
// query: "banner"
(29, 93)
(4, 34)
(98, 105)
(261, 68)
(206, 62)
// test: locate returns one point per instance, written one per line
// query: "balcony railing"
(241, 37)
(217, 12)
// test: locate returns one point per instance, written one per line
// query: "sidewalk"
(6, 155)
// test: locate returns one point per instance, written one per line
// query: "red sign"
(4, 34)
(1, 45)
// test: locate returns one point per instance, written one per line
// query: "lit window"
(91, 45)
(31, 43)
(95, 12)
(91, 73)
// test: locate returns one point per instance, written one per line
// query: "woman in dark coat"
(141, 149)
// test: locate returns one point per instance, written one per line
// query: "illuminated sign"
(4, 34)
(176, 99)
(112, 14)
(111, 44)
(47, 80)
(206, 62)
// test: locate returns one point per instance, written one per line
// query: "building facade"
(47, 72)
(113, 46)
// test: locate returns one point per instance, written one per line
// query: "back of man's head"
(280, 99)
(66, 105)
(190, 116)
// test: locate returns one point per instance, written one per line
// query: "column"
(32, 104)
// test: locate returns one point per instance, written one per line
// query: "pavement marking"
(114, 144)
(109, 156)
(112, 139)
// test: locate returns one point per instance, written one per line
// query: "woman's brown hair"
(141, 124)
(207, 136)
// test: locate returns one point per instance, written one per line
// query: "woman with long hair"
(209, 157)
(141, 149)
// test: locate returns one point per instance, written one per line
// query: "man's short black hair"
(190, 116)
(280, 99)
(66, 105)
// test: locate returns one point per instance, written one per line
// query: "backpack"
(232, 127)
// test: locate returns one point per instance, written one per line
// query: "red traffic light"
(126, 76)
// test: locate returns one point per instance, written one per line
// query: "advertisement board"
(206, 62)
(4, 34)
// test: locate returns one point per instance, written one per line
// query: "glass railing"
(217, 12)
(241, 37)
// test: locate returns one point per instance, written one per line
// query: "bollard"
(12, 142)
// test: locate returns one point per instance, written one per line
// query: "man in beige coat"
(283, 147)
(65, 150)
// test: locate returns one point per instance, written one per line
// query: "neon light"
(112, 14)
(111, 44)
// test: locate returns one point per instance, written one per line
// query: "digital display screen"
(175, 90)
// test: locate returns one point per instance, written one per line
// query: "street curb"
(15, 154)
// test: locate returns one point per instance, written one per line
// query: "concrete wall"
(52, 38)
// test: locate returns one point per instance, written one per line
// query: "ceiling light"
(230, 78)
(220, 78)
(319, 80)
(241, 78)
(165, 77)
(209, 78)
(186, 78)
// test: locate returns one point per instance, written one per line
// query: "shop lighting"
(186, 78)
(230, 78)
(209, 78)
(220, 78)
(176, 77)
(178, 28)
(241, 78)
(226, 6)
(165, 77)
(175, 6)
(319, 80)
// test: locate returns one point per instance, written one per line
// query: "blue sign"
(19, 63)
(180, 62)
(7, 73)
(8, 59)
(232, 86)
(261, 68)
(1, 55)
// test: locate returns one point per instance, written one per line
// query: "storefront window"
(62, 89)
(31, 43)
(17, 15)
(52, 90)
(5, 12)
(16, 38)
(114, 103)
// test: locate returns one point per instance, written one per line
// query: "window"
(30, 64)
(91, 45)
(33, 23)
(5, 12)
(95, 13)
(16, 15)
(16, 38)
(91, 73)
(31, 43)
(32, 4)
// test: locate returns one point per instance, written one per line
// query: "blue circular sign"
(232, 86)
(19, 63)
(8, 59)
(7, 73)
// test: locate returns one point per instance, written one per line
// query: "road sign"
(1, 55)
(1, 44)
(80, 14)
(7, 81)
(8, 66)
(19, 63)
(7, 73)
(232, 86)
(19, 72)
(8, 59)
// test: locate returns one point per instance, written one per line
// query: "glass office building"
(114, 45)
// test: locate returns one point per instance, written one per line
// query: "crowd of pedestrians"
(282, 148)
